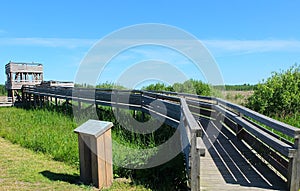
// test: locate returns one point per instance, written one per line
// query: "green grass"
(24, 169)
(50, 131)
(291, 119)
(42, 131)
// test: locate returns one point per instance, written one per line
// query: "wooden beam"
(294, 168)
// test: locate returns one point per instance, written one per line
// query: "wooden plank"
(200, 111)
(160, 96)
(200, 146)
(171, 110)
(231, 124)
(199, 104)
(108, 158)
(196, 96)
(277, 161)
(193, 125)
(279, 126)
(168, 121)
(85, 158)
(98, 163)
(135, 99)
(294, 168)
(270, 132)
(195, 165)
(200, 151)
(147, 100)
(87, 94)
(103, 96)
(278, 145)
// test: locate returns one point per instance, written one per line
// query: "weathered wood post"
(40, 100)
(23, 96)
(294, 167)
(192, 132)
(95, 153)
(34, 100)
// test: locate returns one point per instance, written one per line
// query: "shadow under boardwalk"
(230, 165)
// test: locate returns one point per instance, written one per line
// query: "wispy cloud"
(2, 32)
(252, 46)
(243, 46)
(47, 42)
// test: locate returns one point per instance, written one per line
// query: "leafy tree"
(193, 87)
(190, 86)
(244, 87)
(110, 85)
(279, 94)
(158, 87)
(105, 85)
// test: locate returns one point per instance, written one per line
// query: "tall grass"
(51, 131)
(42, 131)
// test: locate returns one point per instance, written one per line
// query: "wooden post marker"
(95, 153)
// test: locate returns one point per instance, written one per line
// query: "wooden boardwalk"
(231, 165)
(241, 145)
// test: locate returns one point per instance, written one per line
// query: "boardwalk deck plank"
(222, 172)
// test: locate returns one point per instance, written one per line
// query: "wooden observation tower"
(19, 74)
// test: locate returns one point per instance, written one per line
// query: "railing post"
(23, 96)
(34, 100)
(195, 165)
(294, 167)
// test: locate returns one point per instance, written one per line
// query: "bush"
(193, 87)
(279, 95)
(190, 86)
(158, 87)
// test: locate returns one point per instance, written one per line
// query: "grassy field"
(238, 97)
(41, 131)
(49, 138)
(51, 133)
(24, 169)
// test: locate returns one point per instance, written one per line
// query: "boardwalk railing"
(274, 142)
(173, 110)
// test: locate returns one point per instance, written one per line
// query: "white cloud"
(2, 31)
(251, 46)
(242, 46)
(47, 42)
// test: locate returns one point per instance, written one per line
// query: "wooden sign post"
(95, 153)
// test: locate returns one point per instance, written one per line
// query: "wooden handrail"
(245, 123)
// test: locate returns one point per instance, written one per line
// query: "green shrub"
(158, 87)
(190, 86)
(278, 95)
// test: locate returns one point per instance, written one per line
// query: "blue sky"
(248, 39)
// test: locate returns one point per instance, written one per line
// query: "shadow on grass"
(72, 179)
